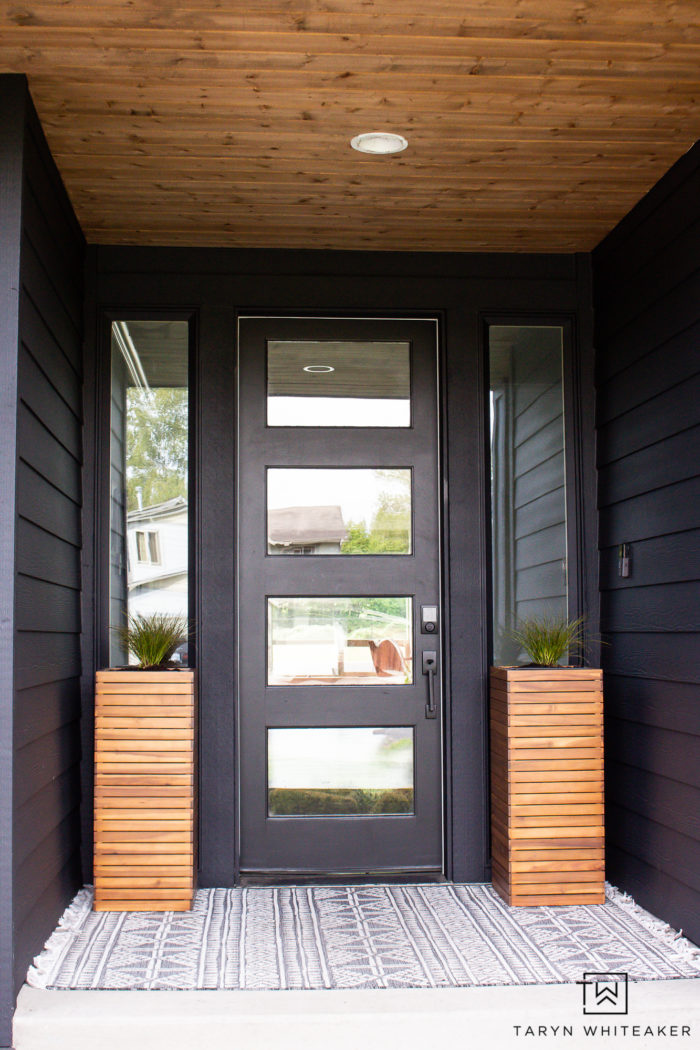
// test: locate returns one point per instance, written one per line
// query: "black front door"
(340, 720)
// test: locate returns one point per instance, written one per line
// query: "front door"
(340, 719)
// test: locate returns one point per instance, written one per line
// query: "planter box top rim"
(134, 669)
(541, 667)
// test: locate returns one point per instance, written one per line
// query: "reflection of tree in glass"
(156, 460)
(390, 529)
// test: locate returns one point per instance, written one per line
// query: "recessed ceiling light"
(379, 142)
(318, 368)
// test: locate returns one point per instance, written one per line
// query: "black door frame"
(443, 688)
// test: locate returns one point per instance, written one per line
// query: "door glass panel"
(338, 384)
(359, 771)
(343, 511)
(339, 641)
(528, 480)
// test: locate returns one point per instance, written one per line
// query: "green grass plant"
(152, 639)
(546, 640)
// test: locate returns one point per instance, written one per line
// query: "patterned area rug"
(416, 936)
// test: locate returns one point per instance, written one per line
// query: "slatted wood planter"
(547, 785)
(144, 790)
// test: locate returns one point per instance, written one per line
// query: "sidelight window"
(149, 484)
(528, 479)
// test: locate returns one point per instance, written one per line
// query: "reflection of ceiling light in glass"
(379, 142)
(318, 368)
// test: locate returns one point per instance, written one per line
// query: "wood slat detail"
(145, 882)
(108, 845)
(119, 904)
(144, 790)
(547, 785)
(175, 864)
(112, 722)
(132, 779)
(553, 897)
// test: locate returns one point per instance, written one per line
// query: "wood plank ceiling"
(533, 125)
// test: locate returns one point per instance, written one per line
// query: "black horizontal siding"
(47, 557)
(47, 554)
(44, 709)
(663, 368)
(13, 102)
(653, 702)
(647, 290)
(666, 608)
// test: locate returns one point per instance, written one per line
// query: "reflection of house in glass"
(306, 530)
(157, 558)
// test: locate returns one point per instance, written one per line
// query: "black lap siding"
(647, 284)
(47, 554)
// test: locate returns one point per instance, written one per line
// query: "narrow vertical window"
(528, 482)
(149, 488)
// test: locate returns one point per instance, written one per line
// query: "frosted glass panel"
(344, 511)
(359, 771)
(339, 641)
(338, 384)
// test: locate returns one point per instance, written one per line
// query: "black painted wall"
(647, 295)
(41, 464)
(216, 285)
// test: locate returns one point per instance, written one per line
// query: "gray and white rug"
(369, 936)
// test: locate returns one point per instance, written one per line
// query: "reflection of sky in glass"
(341, 758)
(338, 412)
(355, 491)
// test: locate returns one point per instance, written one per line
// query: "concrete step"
(494, 1018)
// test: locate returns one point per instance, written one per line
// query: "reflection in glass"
(339, 641)
(340, 772)
(338, 384)
(528, 483)
(344, 511)
(148, 472)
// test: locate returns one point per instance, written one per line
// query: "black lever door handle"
(430, 669)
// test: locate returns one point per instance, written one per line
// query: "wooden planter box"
(144, 790)
(547, 785)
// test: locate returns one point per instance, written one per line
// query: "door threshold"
(284, 878)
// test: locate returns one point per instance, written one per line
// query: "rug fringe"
(48, 962)
(672, 938)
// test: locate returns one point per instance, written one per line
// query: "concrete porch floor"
(661, 1014)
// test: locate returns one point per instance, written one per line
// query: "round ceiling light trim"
(379, 142)
(319, 369)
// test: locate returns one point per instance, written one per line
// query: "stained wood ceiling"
(533, 125)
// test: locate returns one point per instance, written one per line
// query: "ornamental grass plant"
(152, 639)
(547, 640)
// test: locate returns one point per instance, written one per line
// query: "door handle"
(430, 669)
